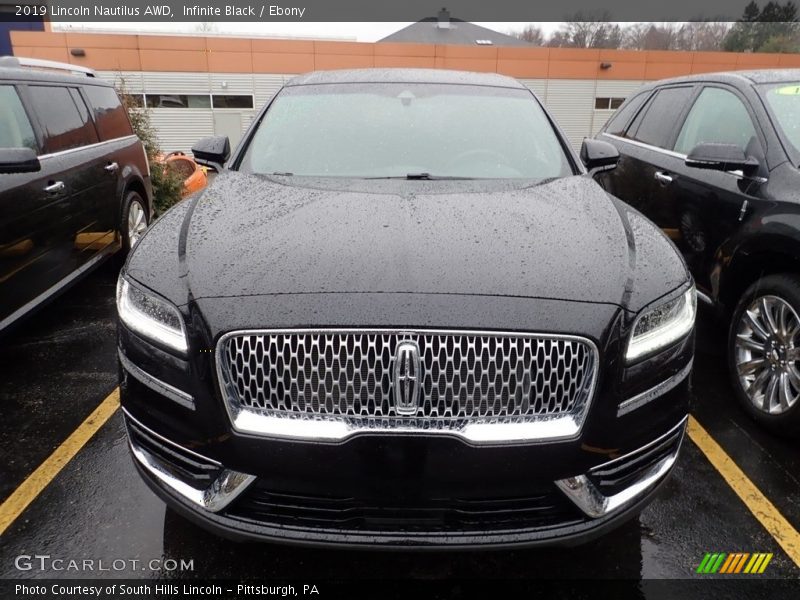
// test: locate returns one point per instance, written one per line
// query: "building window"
(608, 103)
(232, 101)
(178, 100)
(239, 101)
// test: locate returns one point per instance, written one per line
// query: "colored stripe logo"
(736, 562)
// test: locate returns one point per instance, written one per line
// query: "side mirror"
(597, 155)
(19, 160)
(212, 152)
(721, 157)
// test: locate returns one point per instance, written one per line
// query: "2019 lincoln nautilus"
(404, 314)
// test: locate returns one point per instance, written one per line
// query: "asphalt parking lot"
(61, 365)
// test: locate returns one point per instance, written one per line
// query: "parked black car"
(713, 160)
(74, 181)
(405, 315)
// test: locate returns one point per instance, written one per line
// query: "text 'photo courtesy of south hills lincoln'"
(445, 300)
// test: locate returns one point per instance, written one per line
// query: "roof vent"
(484, 42)
(443, 19)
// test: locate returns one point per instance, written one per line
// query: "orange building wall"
(110, 52)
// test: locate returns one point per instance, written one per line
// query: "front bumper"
(243, 507)
(402, 489)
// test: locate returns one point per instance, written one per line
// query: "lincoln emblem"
(407, 380)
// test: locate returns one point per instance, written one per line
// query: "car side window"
(656, 124)
(83, 110)
(718, 116)
(15, 127)
(65, 125)
(109, 114)
(620, 119)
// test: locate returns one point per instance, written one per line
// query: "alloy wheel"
(137, 222)
(767, 354)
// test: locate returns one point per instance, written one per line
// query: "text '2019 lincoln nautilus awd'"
(405, 315)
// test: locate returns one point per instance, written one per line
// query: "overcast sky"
(361, 32)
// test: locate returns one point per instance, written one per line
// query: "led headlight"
(662, 325)
(150, 316)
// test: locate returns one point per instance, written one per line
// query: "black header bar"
(110, 11)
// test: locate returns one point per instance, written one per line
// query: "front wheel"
(134, 221)
(764, 352)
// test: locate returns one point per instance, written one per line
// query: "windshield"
(784, 102)
(406, 130)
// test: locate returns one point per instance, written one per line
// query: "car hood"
(250, 235)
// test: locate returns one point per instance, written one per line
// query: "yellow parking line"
(26, 493)
(773, 521)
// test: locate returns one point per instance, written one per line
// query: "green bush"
(167, 186)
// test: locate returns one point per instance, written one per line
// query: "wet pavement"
(61, 364)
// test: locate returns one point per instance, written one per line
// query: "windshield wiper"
(422, 176)
(282, 173)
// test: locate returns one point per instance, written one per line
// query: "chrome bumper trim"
(222, 491)
(654, 392)
(594, 504)
(334, 430)
(165, 389)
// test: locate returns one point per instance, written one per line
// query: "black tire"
(131, 198)
(785, 287)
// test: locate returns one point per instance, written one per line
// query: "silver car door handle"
(55, 187)
(111, 167)
(663, 178)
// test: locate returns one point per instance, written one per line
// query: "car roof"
(737, 77)
(41, 75)
(434, 76)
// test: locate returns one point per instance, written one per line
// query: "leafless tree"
(559, 39)
(650, 36)
(531, 34)
(634, 35)
(588, 30)
(691, 36)
(702, 36)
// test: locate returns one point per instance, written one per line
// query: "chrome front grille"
(465, 377)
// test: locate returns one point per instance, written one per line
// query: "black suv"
(74, 181)
(713, 160)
